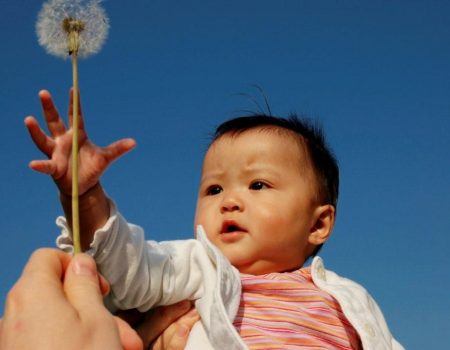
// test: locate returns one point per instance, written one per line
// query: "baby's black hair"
(324, 163)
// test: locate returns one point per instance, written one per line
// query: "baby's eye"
(258, 185)
(214, 190)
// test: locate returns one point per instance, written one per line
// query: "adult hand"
(57, 304)
(176, 334)
(165, 327)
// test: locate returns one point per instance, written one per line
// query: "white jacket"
(144, 274)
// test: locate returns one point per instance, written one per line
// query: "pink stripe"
(287, 309)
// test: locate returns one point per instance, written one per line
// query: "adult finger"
(159, 319)
(128, 337)
(42, 272)
(36, 302)
(177, 340)
(40, 139)
(82, 287)
(47, 262)
(54, 122)
(176, 335)
(118, 148)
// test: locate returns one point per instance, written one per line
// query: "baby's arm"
(143, 274)
(93, 161)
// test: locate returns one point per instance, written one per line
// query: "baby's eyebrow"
(261, 169)
(212, 176)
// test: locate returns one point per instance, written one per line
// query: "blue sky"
(375, 73)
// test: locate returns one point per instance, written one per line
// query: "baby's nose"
(232, 203)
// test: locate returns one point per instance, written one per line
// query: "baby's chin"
(262, 267)
(254, 267)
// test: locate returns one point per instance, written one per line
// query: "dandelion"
(58, 18)
(76, 28)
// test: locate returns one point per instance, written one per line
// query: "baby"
(266, 203)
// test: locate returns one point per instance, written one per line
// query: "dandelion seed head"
(54, 38)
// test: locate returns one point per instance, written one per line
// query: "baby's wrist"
(87, 200)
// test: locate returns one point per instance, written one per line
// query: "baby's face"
(256, 201)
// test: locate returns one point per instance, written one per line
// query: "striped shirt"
(287, 311)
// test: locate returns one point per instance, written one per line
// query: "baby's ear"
(322, 225)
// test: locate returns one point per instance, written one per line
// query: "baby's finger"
(40, 139)
(54, 122)
(43, 166)
(80, 113)
(118, 148)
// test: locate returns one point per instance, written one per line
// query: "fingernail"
(83, 266)
(192, 313)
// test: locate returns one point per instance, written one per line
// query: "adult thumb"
(81, 284)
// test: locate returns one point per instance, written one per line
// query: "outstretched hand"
(57, 146)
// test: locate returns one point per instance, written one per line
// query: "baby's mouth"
(230, 226)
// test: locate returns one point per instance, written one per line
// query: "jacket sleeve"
(144, 274)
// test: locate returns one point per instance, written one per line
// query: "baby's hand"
(57, 146)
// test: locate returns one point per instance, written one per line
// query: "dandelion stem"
(75, 122)
(73, 27)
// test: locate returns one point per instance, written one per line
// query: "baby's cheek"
(274, 218)
(200, 216)
(207, 226)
